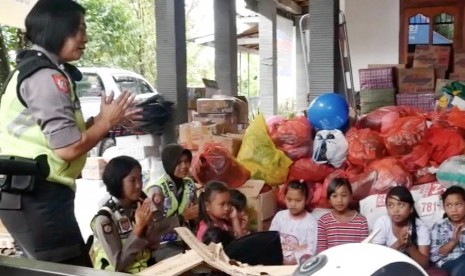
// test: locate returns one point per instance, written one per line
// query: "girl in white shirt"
(401, 229)
(297, 227)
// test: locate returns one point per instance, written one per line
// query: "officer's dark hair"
(117, 169)
(51, 22)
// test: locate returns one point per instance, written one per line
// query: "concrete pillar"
(268, 57)
(171, 60)
(225, 45)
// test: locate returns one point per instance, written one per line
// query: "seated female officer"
(124, 230)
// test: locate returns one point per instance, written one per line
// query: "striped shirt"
(332, 232)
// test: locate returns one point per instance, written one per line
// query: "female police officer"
(42, 127)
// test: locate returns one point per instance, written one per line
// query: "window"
(145, 87)
(443, 29)
(91, 85)
(127, 83)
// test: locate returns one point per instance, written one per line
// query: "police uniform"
(116, 247)
(171, 200)
(40, 112)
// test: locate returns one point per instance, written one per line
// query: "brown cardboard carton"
(232, 142)
(459, 61)
(227, 120)
(428, 56)
(192, 136)
(261, 207)
(94, 168)
(209, 106)
(416, 80)
(457, 76)
(241, 108)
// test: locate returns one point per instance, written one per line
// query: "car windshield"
(91, 85)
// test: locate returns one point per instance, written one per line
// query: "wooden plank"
(214, 256)
(175, 265)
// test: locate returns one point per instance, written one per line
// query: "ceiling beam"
(289, 5)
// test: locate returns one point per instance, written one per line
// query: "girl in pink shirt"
(215, 210)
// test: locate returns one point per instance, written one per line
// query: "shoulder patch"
(61, 82)
(107, 227)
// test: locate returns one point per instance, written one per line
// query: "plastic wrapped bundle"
(292, 136)
(406, 140)
(330, 147)
(365, 145)
(214, 162)
(309, 171)
(382, 119)
(261, 157)
(390, 173)
(452, 171)
(156, 114)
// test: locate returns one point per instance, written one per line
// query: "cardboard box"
(376, 78)
(241, 108)
(459, 61)
(232, 142)
(261, 207)
(94, 168)
(209, 106)
(396, 68)
(422, 101)
(194, 135)
(227, 120)
(457, 76)
(428, 56)
(416, 80)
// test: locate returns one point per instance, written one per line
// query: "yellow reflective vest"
(21, 136)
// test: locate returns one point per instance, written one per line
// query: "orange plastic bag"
(382, 119)
(214, 162)
(445, 143)
(406, 140)
(365, 145)
(292, 136)
(390, 173)
(309, 171)
(457, 118)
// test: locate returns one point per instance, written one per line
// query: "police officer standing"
(44, 139)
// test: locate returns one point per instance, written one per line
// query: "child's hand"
(405, 237)
(191, 212)
(457, 232)
(234, 213)
(143, 217)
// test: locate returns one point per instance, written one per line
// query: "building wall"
(373, 27)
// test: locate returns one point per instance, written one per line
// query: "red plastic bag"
(445, 143)
(426, 174)
(362, 183)
(390, 173)
(214, 162)
(382, 119)
(365, 145)
(292, 136)
(309, 171)
(406, 140)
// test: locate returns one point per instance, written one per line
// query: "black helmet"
(156, 113)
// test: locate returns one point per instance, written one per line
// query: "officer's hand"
(113, 112)
(191, 212)
(132, 117)
(143, 217)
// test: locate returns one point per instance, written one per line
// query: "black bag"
(261, 248)
(19, 175)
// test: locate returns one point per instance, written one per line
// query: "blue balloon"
(328, 111)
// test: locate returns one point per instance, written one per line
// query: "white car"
(98, 79)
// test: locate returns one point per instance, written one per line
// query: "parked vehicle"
(98, 80)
